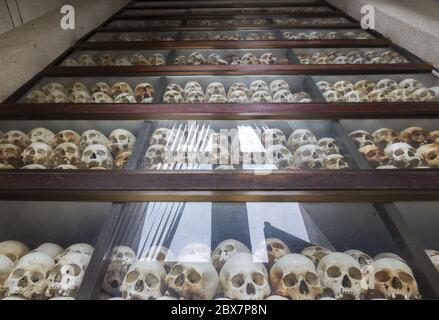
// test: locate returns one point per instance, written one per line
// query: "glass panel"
(298, 251)
(37, 239)
(67, 145)
(230, 35)
(396, 144)
(245, 145)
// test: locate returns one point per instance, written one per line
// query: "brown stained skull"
(431, 156)
(336, 162)
(361, 138)
(375, 156)
(385, 136)
(144, 93)
(121, 159)
(415, 136)
(121, 87)
(66, 153)
(67, 136)
(16, 137)
(10, 154)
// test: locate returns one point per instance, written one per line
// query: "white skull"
(122, 61)
(315, 253)
(120, 88)
(225, 250)
(36, 96)
(279, 155)
(157, 59)
(336, 162)
(155, 155)
(277, 85)
(295, 276)
(66, 276)
(215, 88)
(268, 58)
(91, 137)
(272, 137)
(6, 267)
(365, 86)
(343, 86)
(121, 140)
(28, 278)
(79, 97)
(300, 138)
(391, 255)
(333, 96)
(145, 280)
(424, 95)
(237, 86)
(192, 86)
(66, 153)
(395, 279)
(261, 96)
(82, 248)
(329, 146)
(272, 248)
(163, 136)
(51, 249)
(196, 58)
(14, 250)
(121, 259)
(378, 95)
(400, 95)
(403, 155)
(193, 280)
(37, 153)
(258, 85)
(56, 97)
(410, 85)
(361, 138)
(356, 97)
(217, 98)
(173, 96)
(387, 85)
(42, 135)
(309, 157)
(366, 264)
(238, 96)
(342, 274)
(195, 97)
(124, 98)
(324, 86)
(67, 136)
(244, 279)
(250, 58)
(283, 96)
(54, 86)
(97, 155)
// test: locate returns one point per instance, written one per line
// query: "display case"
(304, 148)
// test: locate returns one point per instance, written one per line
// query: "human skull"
(16, 137)
(244, 279)
(258, 85)
(283, 96)
(295, 276)
(215, 88)
(402, 155)
(356, 97)
(34, 167)
(173, 96)
(10, 154)
(196, 58)
(66, 276)
(91, 137)
(385, 136)
(217, 98)
(342, 274)
(121, 259)
(279, 155)
(315, 253)
(125, 98)
(225, 250)
(51, 249)
(86, 60)
(261, 96)
(273, 137)
(238, 96)
(77, 86)
(144, 93)
(163, 136)
(361, 138)
(324, 86)
(328, 145)
(82, 248)
(195, 97)
(66, 153)
(6, 267)
(14, 250)
(193, 280)
(309, 157)
(67, 136)
(216, 59)
(250, 58)
(37, 153)
(430, 155)
(387, 85)
(121, 140)
(56, 97)
(378, 95)
(121, 87)
(42, 135)
(277, 85)
(101, 87)
(28, 278)
(272, 248)
(343, 86)
(300, 138)
(155, 155)
(333, 96)
(336, 162)
(97, 155)
(36, 96)
(410, 85)
(366, 264)
(375, 156)
(161, 254)
(139, 59)
(415, 136)
(53, 86)
(391, 255)
(424, 95)
(268, 58)
(100, 97)
(192, 86)
(395, 279)
(121, 159)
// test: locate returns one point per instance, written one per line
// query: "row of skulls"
(145, 23)
(259, 91)
(413, 147)
(48, 271)
(100, 92)
(317, 35)
(197, 58)
(351, 57)
(108, 60)
(43, 149)
(385, 90)
(231, 271)
(134, 37)
(302, 150)
(255, 10)
(228, 36)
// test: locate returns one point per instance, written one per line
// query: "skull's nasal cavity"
(396, 283)
(93, 156)
(250, 289)
(303, 288)
(346, 283)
